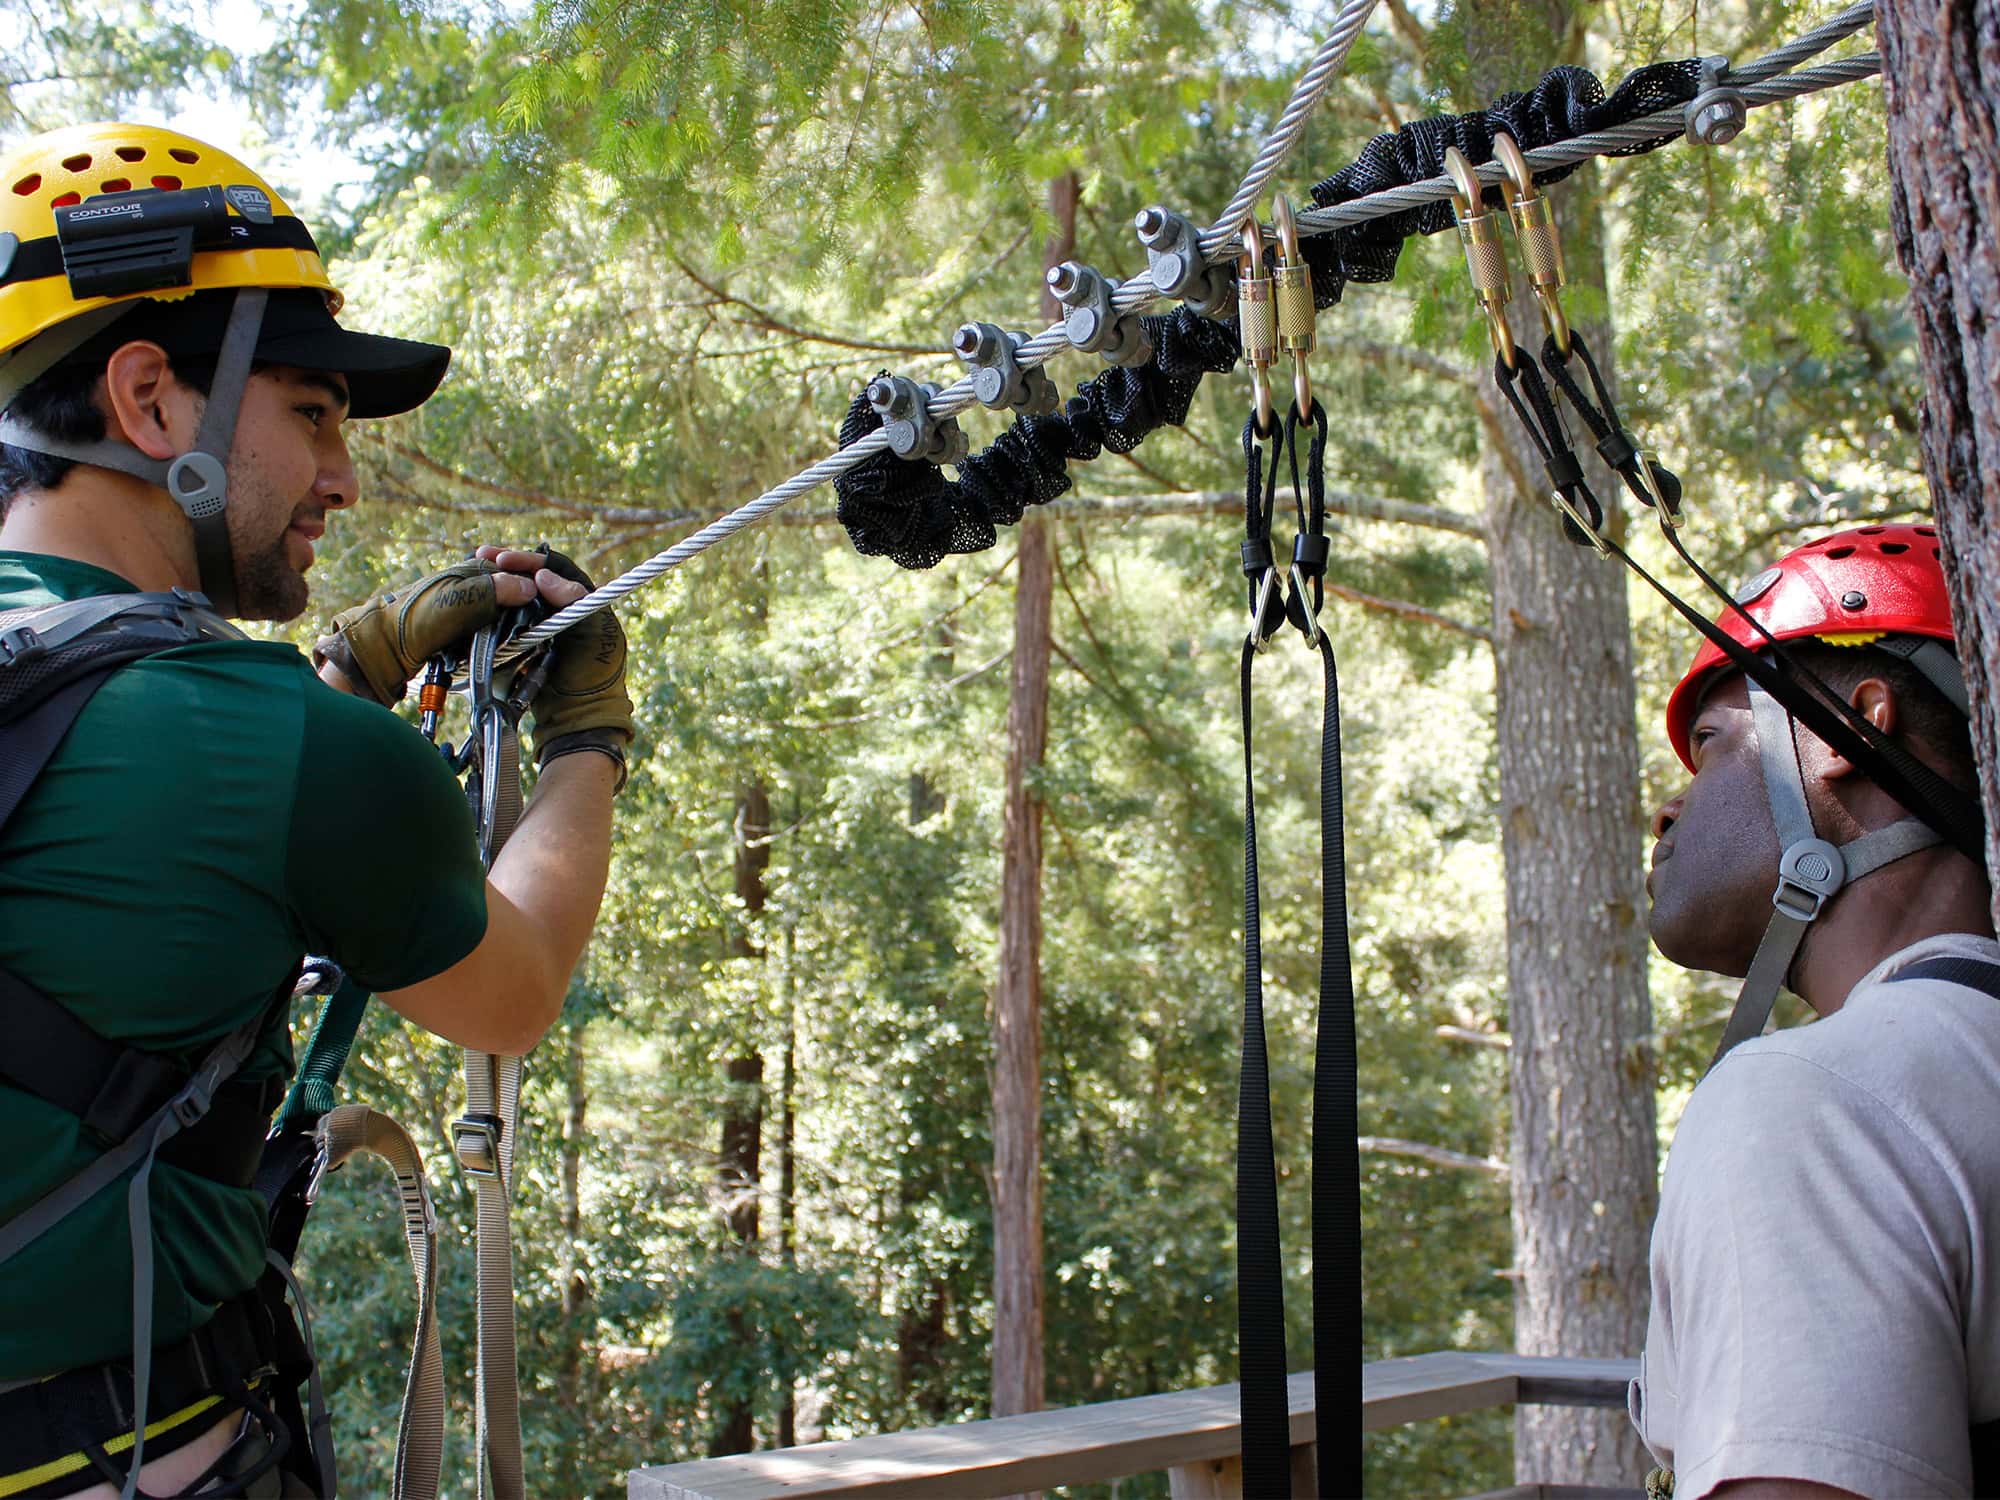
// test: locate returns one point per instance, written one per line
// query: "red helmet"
(1849, 589)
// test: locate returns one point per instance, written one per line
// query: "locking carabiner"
(1297, 321)
(1256, 321)
(1485, 256)
(1535, 227)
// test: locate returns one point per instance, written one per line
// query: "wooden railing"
(1193, 1435)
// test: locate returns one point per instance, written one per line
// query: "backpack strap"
(1973, 973)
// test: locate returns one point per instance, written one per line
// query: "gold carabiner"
(1485, 256)
(1297, 321)
(1535, 227)
(1256, 321)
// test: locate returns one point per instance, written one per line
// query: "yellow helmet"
(97, 221)
(187, 217)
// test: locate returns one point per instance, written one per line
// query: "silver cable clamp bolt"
(1173, 255)
(1716, 115)
(1093, 324)
(905, 409)
(998, 378)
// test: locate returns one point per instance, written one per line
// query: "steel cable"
(1772, 84)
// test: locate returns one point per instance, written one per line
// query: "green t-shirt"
(215, 812)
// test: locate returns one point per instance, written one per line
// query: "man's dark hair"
(63, 404)
(1923, 713)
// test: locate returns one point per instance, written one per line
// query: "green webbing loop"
(312, 1093)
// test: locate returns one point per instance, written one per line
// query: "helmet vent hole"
(28, 184)
(1926, 531)
(1892, 548)
(117, 185)
(66, 200)
(183, 155)
(1938, 553)
(1840, 552)
(78, 163)
(1872, 530)
(169, 184)
(131, 153)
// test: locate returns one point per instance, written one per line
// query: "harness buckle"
(22, 643)
(1809, 873)
(475, 1140)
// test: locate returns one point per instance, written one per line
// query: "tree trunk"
(1017, 1000)
(739, 1161)
(1942, 63)
(1583, 1144)
(575, 1370)
(788, 1172)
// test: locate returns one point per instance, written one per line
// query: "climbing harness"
(140, 1107)
(1277, 598)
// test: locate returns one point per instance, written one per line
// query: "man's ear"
(145, 405)
(1877, 702)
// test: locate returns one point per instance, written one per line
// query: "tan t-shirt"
(1825, 1302)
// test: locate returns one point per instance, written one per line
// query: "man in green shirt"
(220, 808)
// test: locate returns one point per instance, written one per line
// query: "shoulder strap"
(1973, 973)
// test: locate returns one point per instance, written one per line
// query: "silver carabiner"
(1304, 596)
(1258, 639)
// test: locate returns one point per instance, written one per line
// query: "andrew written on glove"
(582, 703)
(379, 646)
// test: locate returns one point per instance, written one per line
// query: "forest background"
(756, 1194)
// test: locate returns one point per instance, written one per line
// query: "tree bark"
(1582, 1154)
(1018, 1370)
(739, 1161)
(1941, 62)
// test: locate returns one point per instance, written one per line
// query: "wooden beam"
(1183, 1430)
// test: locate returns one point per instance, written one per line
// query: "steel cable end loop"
(1293, 288)
(1257, 322)
(1485, 257)
(1535, 227)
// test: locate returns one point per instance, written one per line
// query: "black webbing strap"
(1336, 1154)
(1526, 392)
(1336, 1173)
(1973, 973)
(1260, 1271)
(1615, 445)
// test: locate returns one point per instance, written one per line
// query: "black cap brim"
(385, 376)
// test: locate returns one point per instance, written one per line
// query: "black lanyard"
(1276, 600)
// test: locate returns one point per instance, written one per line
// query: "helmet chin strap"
(1810, 870)
(198, 480)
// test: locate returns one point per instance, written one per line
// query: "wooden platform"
(1192, 1432)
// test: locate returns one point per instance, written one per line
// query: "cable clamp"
(904, 407)
(475, 1140)
(998, 379)
(1093, 324)
(1179, 269)
(1716, 115)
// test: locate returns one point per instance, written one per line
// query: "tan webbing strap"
(484, 1138)
(420, 1439)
